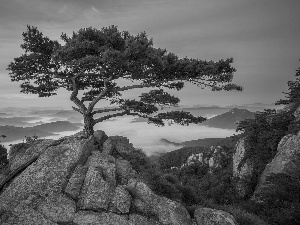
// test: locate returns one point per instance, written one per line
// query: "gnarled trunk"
(88, 124)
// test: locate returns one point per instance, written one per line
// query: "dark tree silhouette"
(94, 61)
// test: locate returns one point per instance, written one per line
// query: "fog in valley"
(17, 123)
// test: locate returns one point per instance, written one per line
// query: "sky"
(262, 36)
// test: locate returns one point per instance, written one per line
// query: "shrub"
(138, 160)
(161, 186)
(31, 139)
(189, 195)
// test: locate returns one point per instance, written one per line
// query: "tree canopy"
(293, 95)
(94, 61)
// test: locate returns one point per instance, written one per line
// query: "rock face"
(82, 181)
(284, 168)
(215, 159)
(23, 152)
(218, 159)
(242, 169)
(206, 216)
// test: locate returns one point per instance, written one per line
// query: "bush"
(161, 186)
(171, 178)
(31, 139)
(138, 160)
(189, 195)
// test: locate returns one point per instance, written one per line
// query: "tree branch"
(74, 94)
(106, 110)
(125, 88)
(103, 92)
(76, 109)
(116, 115)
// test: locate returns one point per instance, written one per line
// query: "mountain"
(165, 141)
(16, 121)
(58, 126)
(205, 142)
(16, 133)
(67, 113)
(229, 119)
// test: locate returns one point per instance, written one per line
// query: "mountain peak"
(229, 119)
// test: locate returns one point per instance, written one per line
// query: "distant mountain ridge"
(229, 119)
(58, 126)
(15, 133)
(204, 142)
(48, 129)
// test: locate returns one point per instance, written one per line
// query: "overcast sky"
(261, 35)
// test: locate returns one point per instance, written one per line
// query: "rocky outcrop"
(23, 152)
(208, 216)
(80, 181)
(243, 169)
(215, 159)
(219, 158)
(283, 169)
(167, 211)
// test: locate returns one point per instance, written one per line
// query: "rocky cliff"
(242, 169)
(79, 181)
(282, 172)
(279, 181)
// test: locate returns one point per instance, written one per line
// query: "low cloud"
(148, 137)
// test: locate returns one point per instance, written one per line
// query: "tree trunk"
(88, 124)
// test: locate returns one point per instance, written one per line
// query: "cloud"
(148, 136)
(262, 36)
(17, 96)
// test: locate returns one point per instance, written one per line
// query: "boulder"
(166, 210)
(141, 191)
(95, 218)
(58, 208)
(25, 215)
(106, 163)
(21, 153)
(117, 145)
(96, 193)
(121, 200)
(100, 137)
(141, 207)
(124, 171)
(243, 170)
(47, 175)
(76, 181)
(285, 165)
(207, 216)
(16, 149)
(136, 219)
(171, 212)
